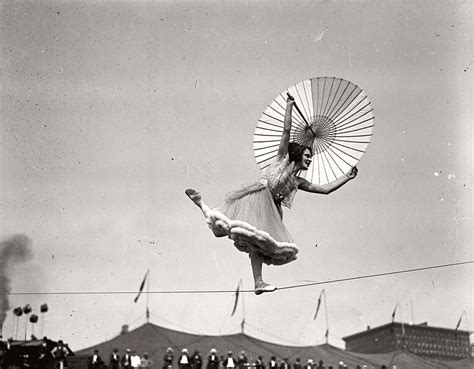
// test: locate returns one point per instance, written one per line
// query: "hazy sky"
(111, 110)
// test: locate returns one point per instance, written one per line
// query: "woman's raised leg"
(206, 210)
(197, 199)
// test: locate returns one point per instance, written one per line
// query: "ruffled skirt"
(253, 221)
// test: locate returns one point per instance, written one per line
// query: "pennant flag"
(142, 285)
(394, 311)
(236, 299)
(318, 306)
(459, 322)
(326, 334)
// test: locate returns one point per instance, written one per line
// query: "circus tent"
(155, 339)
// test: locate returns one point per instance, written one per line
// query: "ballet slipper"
(261, 287)
(194, 196)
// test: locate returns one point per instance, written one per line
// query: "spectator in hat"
(297, 364)
(229, 361)
(273, 363)
(212, 360)
(242, 361)
(60, 353)
(309, 364)
(126, 360)
(114, 360)
(196, 360)
(95, 361)
(284, 364)
(259, 364)
(184, 361)
(145, 361)
(321, 365)
(44, 356)
(168, 359)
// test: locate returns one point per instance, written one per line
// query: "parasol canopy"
(333, 116)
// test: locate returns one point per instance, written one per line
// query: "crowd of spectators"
(187, 360)
(56, 356)
(128, 360)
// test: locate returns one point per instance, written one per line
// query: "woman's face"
(305, 160)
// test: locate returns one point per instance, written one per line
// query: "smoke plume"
(13, 250)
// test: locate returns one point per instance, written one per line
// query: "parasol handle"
(301, 114)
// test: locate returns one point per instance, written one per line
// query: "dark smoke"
(13, 250)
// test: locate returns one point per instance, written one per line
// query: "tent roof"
(155, 340)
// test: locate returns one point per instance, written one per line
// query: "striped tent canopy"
(332, 116)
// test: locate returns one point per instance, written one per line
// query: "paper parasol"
(332, 115)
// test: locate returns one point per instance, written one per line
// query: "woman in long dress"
(252, 217)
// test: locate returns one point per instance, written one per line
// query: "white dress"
(252, 216)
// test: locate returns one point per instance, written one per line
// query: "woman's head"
(300, 154)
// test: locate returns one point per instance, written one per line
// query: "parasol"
(331, 115)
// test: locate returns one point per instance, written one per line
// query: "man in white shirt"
(212, 360)
(184, 361)
(229, 362)
(135, 360)
(96, 361)
(272, 364)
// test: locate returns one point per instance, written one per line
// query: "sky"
(110, 110)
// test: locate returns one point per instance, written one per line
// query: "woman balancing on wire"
(252, 217)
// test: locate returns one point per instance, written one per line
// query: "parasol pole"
(301, 114)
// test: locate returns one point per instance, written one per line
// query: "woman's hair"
(296, 150)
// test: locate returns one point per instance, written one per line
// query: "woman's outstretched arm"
(285, 138)
(326, 189)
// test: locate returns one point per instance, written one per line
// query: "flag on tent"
(142, 285)
(319, 305)
(236, 299)
(394, 311)
(459, 322)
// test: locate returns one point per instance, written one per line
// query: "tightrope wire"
(233, 291)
